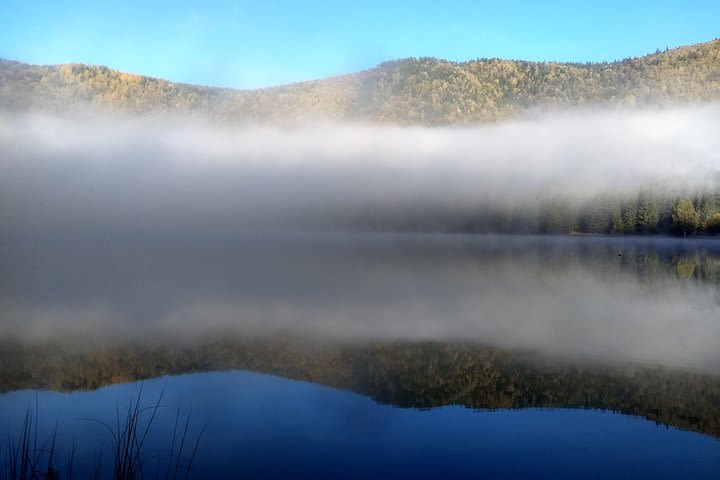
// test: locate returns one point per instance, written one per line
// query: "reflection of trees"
(656, 265)
(651, 266)
(647, 266)
(685, 266)
(406, 375)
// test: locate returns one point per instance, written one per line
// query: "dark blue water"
(260, 426)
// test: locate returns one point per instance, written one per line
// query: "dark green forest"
(417, 91)
(651, 211)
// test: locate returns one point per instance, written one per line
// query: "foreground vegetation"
(424, 91)
(28, 456)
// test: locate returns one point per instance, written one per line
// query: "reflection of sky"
(261, 426)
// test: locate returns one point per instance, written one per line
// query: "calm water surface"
(374, 355)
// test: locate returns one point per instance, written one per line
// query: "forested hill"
(424, 91)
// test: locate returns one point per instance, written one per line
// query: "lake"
(366, 355)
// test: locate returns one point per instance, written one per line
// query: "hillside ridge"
(424, 91)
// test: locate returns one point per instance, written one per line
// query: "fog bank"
(152, 175)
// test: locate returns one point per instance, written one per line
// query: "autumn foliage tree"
(684, 217)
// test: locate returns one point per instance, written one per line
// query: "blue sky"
(266, 42)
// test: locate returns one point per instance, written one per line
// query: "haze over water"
(653, 301)
(203, 259)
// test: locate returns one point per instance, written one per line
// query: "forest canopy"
(417, 91)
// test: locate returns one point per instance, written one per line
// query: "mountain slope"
(425, 91)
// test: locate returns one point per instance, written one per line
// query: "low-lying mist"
(184, 209)
(608, 299)
(103, 174)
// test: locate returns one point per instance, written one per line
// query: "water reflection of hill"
(420, 375)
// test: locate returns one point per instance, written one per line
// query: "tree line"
(419, 91)
(647, 213)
